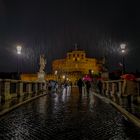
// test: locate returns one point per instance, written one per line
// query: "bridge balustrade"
(16, 88)
(113, 89)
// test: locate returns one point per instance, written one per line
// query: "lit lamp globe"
(19, 49)
(123, 47)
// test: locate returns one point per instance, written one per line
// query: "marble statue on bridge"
(41, 73)
(42, 63)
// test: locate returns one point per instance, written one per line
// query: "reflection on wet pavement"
(66, 116)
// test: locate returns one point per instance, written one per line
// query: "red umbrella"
(128, 77)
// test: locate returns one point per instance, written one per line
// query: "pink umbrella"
(87, 78)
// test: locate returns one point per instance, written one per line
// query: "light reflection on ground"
(67, 116)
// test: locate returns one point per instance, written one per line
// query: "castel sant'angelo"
(71, 68)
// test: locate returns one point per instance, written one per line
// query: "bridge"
(30, 112)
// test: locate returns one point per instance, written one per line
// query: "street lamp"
(123, 50)
(19, 48)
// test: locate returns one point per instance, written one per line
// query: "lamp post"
(123, 50)
(19, 48)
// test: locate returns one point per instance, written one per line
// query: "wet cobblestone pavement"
(67, 116)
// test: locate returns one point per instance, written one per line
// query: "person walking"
(88, 85)
(80, 85)
(100, 86)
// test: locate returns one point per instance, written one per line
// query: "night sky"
(52, 27)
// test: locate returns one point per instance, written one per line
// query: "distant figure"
(49, 86)
(100, 86)
(56, 86)
(80, 85)
(88, 85)
(65, 85)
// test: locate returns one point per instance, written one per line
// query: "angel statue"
(42, 63)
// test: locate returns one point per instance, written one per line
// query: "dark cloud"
(52, 27)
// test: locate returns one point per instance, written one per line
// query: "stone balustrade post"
(138, 90)
(138, 87)
(107, 88)
(120, 89)
(6, 92)
(36, 88)
(0, 89)
(113, 88)
(20, 89)
(29, 88)
(104, 87)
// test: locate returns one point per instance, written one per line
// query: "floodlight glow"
(63, 76)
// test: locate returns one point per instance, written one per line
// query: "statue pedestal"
(41, 76)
